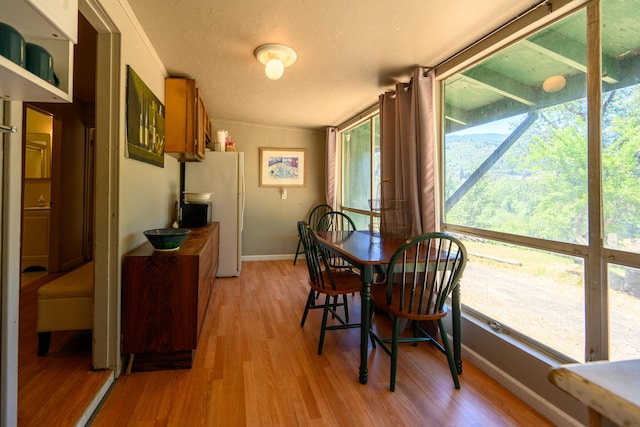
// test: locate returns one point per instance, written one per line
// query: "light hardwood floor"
(53, 390)
(255, 366)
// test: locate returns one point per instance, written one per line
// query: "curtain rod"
(532, 9)
(369, 110)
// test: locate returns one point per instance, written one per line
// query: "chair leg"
(449, 353)
(346, 308)
(44, 339)
(394, 353)
(334, 305)
(310, 301)
(372, 307)
(297, 251)
(323, 328)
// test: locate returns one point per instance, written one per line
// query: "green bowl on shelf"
(12, 44)
(39, 61)
(166, 239)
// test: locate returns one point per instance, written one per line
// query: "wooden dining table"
(370, 253)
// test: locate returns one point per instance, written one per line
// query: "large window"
(531, 186)
(360, 150)
(620, 144)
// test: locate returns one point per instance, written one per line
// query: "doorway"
(106, 352)
(36, 195)
(58, 190)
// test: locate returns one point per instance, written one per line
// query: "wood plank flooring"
(53, 390)
(255, 366)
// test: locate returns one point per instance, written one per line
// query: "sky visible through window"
(503, 127)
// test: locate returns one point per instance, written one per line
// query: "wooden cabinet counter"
(165, 296)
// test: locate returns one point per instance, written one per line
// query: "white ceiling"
(349, 51)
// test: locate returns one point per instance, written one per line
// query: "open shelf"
(57, 33)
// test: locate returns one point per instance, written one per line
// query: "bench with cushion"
(65, 304)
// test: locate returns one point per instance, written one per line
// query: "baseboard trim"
(278, 257)
(543, 406)
(92, 409)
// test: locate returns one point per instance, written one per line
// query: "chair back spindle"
(314, 216)
(319, 270)
(336, 221)
(426, 270)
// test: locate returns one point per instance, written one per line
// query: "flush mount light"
(275, 58)
(554, 83)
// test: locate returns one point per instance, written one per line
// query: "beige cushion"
(66, 303)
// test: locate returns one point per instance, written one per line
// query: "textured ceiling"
(348, 51)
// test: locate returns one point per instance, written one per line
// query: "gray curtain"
(332, 171)
(407, 146)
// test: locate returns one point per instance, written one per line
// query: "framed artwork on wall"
(145, 122)
(282, 167)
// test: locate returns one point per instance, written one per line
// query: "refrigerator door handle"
(242, 198)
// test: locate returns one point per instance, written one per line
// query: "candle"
(221, 136)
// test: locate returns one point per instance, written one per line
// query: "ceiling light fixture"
(554, 83)
(275, 57)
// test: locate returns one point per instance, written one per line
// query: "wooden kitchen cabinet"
(165, 297)
(187, 125)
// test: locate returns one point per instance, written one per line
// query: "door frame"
(106, 336)
(11, 217)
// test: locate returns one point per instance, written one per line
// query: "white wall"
(146, 192)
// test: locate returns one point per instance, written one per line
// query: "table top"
(191, 246)
(610, 388)
(361, 247)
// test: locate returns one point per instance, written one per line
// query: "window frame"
(368, 115)
(595, 254)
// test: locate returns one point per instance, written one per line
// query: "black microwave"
(196, 214)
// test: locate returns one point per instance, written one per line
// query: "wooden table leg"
(365, 297)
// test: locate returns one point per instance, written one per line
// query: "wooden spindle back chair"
(421, 275)
(332, 284)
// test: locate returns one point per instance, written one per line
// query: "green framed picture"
(145, 122)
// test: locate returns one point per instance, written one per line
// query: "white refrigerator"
(222, 173)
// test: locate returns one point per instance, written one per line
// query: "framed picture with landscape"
(282, 167)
